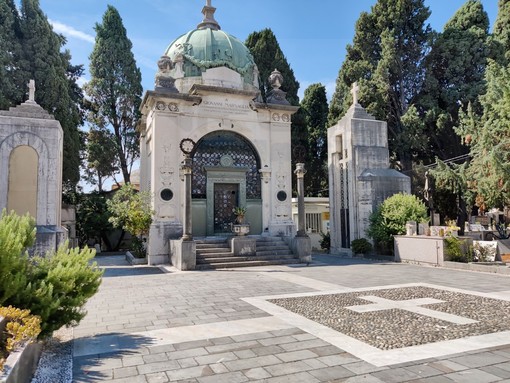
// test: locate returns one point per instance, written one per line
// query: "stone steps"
(215, 253)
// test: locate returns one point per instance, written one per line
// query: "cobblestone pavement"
(146, 325)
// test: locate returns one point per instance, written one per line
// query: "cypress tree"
(501, 31)
(115, 88)
(315, 107)
(43, 61)
(10, 50)
(455, 77)
(386, 57)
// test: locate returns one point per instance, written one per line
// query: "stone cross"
(31, 90)
(412, 305)
(208, 3)
(355, 93)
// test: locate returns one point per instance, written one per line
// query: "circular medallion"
(282, 196)
(226, 161)
(166, 194)
(160, 105)
(173, 107)
(276, 117)
(187, 145)
(285, 118)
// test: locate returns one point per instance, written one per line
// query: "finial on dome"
(208, 21)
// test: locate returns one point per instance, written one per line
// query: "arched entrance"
(225, 174)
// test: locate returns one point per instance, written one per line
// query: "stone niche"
(31, 147)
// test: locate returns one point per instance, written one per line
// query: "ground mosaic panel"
(397, 328)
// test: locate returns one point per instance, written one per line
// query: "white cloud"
(69, 31)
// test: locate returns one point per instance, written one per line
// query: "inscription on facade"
(226, 105)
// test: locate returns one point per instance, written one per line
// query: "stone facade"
(31, 149)
(240, 148)
(359, 175)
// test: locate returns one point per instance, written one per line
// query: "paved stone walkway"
(147, 325)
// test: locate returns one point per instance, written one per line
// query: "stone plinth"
(244, 246)
(423, 249)
(183, 254)
(302, 247)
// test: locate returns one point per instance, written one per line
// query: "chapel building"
(206, 105)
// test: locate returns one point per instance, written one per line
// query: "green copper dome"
(209, 47)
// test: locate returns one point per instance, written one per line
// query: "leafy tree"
(101, 157)
(455, 77)
(93, 220)
(115, 88)
(315, 107)
(390, 218)
(43, 61)
(386, 57)
(489, 138)
(131, 210)
(10, 50)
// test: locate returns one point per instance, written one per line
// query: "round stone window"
(282, 196)
(166, 194)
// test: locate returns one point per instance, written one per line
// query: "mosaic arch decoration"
(214, 147)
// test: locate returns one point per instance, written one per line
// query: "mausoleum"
(359, 175)
(206, 106)
(31, 151)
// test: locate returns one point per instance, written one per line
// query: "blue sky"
(312, 35)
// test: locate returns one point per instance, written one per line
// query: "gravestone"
(31, 152)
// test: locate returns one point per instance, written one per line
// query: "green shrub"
(325, 241)
(390, 218)
(54, 287)
(361, 246)
(20, 328)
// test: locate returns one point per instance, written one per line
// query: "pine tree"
(386, 58)
(455, 77)
(115, 88)
(43, 61)
(315, 107)
(10, 50)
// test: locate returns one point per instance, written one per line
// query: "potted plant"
(239, 212)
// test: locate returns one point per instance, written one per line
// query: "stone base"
(244, 246)
(48, 238)
(20, 366)
(183, 254)
(159, 235)
(282, 229)
(135, 261)
(302, 247)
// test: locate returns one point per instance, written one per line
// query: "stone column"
(300, 173)
(265, 174)
(301, 243)
(186, 167)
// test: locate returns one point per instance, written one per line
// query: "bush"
(325, 242)
(456, 250)
(390, 218)
(361, 246)
(21, 327)
(54, 287)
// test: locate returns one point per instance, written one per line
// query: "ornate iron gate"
(225, 199)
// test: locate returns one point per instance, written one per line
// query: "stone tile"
(307, 344)
(494, 370)
(218, 368)
(362, 367)
(231, 377)
(479, 359)
(194, 344)
(329, 350)
(473, 375)
(360, 379)
(302, 377)
(244, 364)
(192, 352)
(245, 354)
(131, 379)
(315, 363)
(125, 372)
(296, 355)
(189, 373)
(216, 358)
(330, 373)
(423, 370)
(257, 373)
(447, 366)
(158, 377)
(395, 375)
(158, 367)
(279, 340)
(232, 346)
(267, 350)
(287, 368)
(187, 362)
(153, 358)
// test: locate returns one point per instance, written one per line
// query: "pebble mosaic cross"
(412, 305)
